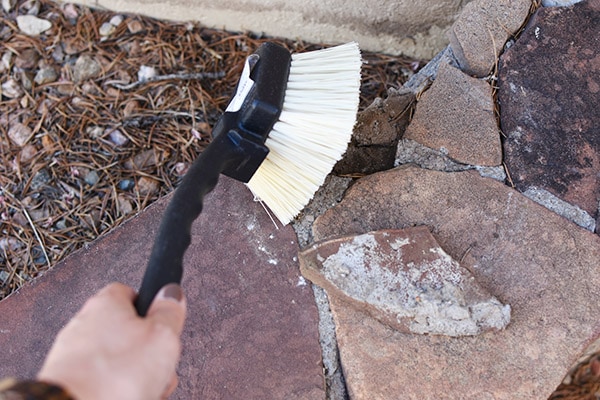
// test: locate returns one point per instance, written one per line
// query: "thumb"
(169, 307)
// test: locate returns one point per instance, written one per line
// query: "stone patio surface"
(515, 225)
(252, 326)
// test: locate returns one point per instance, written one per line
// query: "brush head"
(313, 129)
(254, 109)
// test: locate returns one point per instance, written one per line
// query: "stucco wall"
(415, 28)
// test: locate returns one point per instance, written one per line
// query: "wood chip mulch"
(101, 114)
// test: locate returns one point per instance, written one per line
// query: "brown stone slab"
(456, 116)
(545, 267)
(252, 326)
(549, 96)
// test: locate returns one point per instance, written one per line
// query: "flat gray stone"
(251, 331)
(456, 117)
(481, 30)
(544, 266)
(404, 279)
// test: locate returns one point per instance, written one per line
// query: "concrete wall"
(414, 28)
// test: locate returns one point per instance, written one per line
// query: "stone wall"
(416, 29)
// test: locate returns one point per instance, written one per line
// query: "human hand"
(108, 352)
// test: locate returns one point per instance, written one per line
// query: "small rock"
(95, 132)
(86, 68)
(26, 80)
(73, 47)
(113, 92)
(10, 244)
(58, 54)
(4, 276)
(204, 129)
(142, 160)
(5, 61)
(48, 144)
(181, 168)
(134, 26)
(7, 5)
(116, 20)
(11, 89)
(147, 186)
(118, 138)
(61, 224)
(124, 205)
(106, 29)
(28, 152)
(32, 7)
(46, 74)
(70, 11)
(27, 59)
(406, 280)
(39, 214)
(145, 72)
(91, 178)
(40, 179)
(65, 88)
(126, 184)
(33, 26)
(130, 107)
(91, 220)
(19, 134)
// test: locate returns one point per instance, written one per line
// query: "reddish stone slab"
(544, 266)
(549, 95)
(252, 328)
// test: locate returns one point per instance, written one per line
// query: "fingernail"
(172, 291)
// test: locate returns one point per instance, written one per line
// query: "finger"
(110, 299)
(118, 291)
(169, 307)
(171, 388)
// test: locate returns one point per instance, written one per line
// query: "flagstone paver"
(542, 265)
(252, 322)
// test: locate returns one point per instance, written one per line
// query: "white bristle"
(313, 131)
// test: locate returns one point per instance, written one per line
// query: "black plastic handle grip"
(166, 260)
(237, 150)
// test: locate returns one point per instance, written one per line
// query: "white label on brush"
(244, 87)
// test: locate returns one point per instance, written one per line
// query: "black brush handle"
(174, 235)
(237, 150)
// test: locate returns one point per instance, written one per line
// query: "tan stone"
(456, 116)
(481, 30)
(545, 267)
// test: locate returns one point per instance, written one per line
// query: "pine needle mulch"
(102, 114)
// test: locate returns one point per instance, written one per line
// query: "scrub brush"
(289, 122)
